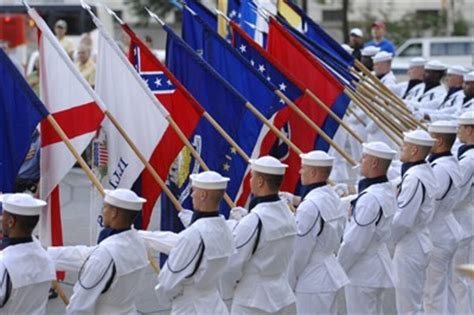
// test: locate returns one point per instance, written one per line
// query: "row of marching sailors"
(424, 94)
(270, 261)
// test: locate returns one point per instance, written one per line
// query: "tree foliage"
(160, 7)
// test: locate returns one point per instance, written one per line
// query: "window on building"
(451, 49)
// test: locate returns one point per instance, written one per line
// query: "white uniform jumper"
(416, 204)
(445, 232)
(109, 276)
(190, 276)
(462, 286)
(314, 272)
(257, 272)
(26, 273)
(364, 254)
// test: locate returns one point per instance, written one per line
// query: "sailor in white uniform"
(190, 275)
(462, 287)
(26, 270)
(257, 272)
(432, 88)
(445, 231)
(468, 102)
(364, 254)
(443, 109)
(412, 88)
(367, 54)
(416, 202)
(314, 273)
(110, 272)
(383, 68)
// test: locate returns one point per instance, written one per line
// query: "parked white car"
(449, 50)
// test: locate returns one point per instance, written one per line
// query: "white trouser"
(462, 292)
(316, 303)
(241, 310)
(410, 267)
(438, 277)
(363, 300)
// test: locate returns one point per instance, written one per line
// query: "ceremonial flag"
(292, 55)
(68, 98)
(225, 105)
(297, 129)
(138, 112)
(21, 112)
(182, 107)
(316, 33)
(253, 23)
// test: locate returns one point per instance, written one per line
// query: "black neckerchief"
(6, 241)
(411, 85)
(367, 182)
(451, 91)
(108, 232)
(257, 200)
(407, 165)
(307, 188)
(200, 215)
(467, 98)
(465, 147)
(435, 156)
(380, 76)
(430, 86)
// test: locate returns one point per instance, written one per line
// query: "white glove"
(185, 216)
(237, 213)
(341, 189)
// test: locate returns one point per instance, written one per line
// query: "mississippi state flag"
(67, 97)
(183, 108)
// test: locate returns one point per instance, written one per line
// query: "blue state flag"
(21, 111)
(225, 105)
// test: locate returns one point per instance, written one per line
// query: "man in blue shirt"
(378, 39)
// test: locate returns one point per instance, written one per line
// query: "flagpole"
(360, 120)
(249, 106)
(153, 99)
(334, 116)
(317, 100)
(315, 127)
(356, 99)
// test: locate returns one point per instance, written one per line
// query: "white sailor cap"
(268, 165)
(382, 56)
(469, 77)
(316, 158)
(22, 204)
(435, 65)
(457, 70)
(209, 180)
(417, 62)
(443, 126)
(419, 137)
(467, 118)
(379, 149)
(357, 32)
(369, 51)
(124, 199)
(347, 48)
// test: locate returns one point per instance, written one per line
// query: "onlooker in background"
(356, 41)
(378, 38)
(33, 77)
(367, 53)
(60, 29)
(85, 64)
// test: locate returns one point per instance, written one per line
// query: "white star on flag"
(168, 82)
(261, 68)
(252, 62)
(243, 48)
(282, 86)
(158, 82)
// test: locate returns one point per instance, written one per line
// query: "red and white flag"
(70, 100)
(134, 106)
